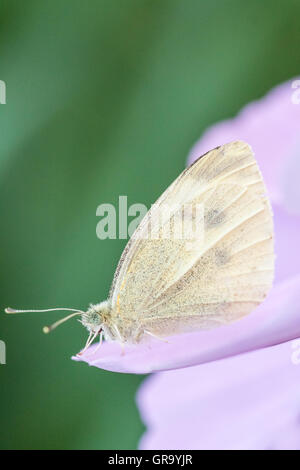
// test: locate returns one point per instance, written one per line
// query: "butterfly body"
(202, 257)
(102, 317)
(167, 285)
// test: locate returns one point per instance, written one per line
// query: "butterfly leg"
(120, 340)
(88, 343)
(156, 337)
(100, 343)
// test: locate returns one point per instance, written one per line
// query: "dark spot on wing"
(221, 256)
(214, 217)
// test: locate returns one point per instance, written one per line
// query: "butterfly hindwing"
(173, 284)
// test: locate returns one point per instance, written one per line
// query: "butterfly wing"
(174, 284)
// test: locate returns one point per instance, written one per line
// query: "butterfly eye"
(94, 318)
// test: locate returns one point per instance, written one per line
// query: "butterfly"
(167, 284)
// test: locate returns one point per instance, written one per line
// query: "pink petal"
(275, 321)
(272, 127)
(291, 184)
(251, 401)
(287, 236)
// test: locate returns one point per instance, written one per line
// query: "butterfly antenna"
(48, 329)
(13, 310)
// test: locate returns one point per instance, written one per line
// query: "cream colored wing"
(175, 284)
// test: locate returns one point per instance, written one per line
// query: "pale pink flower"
(271, 126)
(250, 400)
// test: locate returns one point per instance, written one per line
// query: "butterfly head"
(96, 316)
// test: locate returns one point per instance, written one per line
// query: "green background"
(104, 98)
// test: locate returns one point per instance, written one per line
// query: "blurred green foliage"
(104, 98)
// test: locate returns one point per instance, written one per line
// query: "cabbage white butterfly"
(169, 285)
